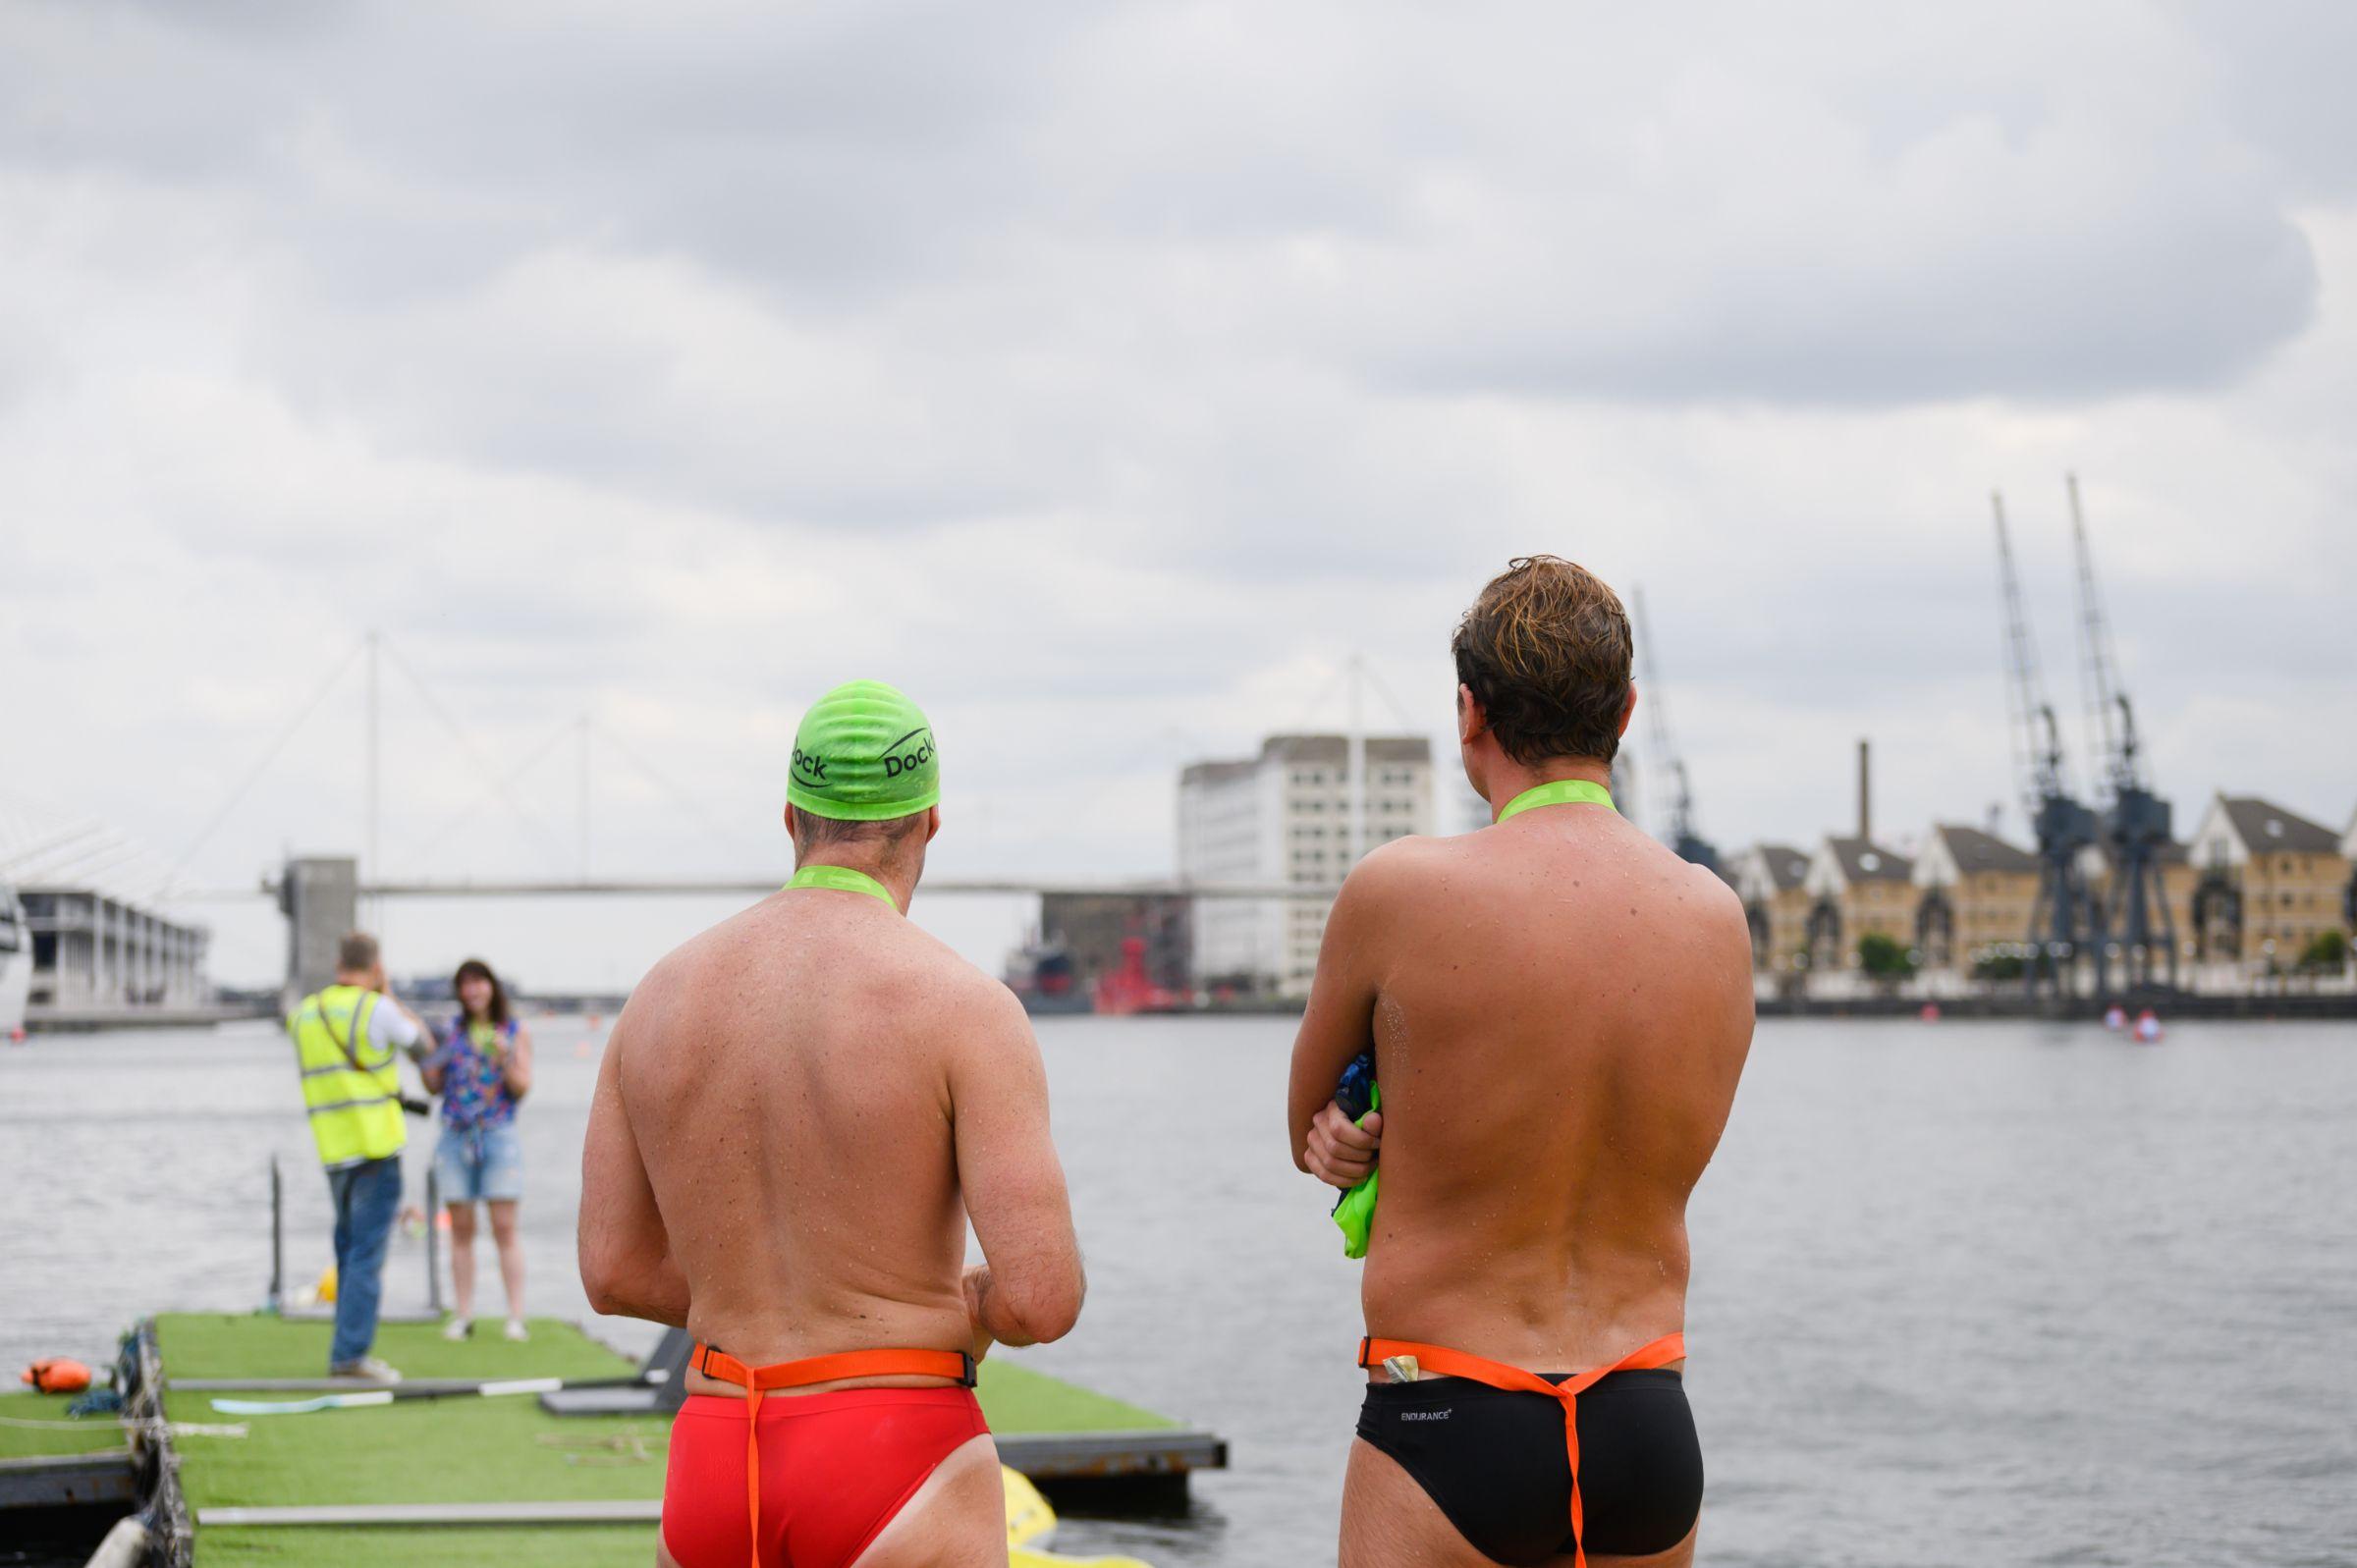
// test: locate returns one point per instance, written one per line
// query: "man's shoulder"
(1405, 862)
(1717, 896)
(952, 979)
(902, 957)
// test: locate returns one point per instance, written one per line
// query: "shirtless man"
(1560, 1009)
(796, 1116)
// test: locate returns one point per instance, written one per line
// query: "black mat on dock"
(661, 1374)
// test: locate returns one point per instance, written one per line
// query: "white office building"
(1285, 816)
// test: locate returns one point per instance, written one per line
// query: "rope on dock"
(620, 1449)
(180, 1429)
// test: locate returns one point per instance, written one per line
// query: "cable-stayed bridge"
(323, 895)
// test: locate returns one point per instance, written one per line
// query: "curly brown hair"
(1545, 650)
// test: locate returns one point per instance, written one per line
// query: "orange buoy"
(57, 1375)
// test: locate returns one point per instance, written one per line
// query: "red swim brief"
(835, 1469)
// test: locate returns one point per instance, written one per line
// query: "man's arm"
(627, 1266)
(1339, 1021)
(1029, 1286)
(397, 1025)
(392, 1030)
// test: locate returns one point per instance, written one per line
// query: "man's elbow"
(601, 1289)
(1046, 1310)
(604, 1279)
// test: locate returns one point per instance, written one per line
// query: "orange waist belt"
(955, 1365)
(1446, 1363)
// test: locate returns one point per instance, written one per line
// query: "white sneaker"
(368, 1367)
(517, 1331)
(459, 1328)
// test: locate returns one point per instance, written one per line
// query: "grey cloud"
(2286, 72)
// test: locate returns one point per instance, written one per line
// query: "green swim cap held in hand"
(1354, 1213)
(1361, 1097)
(864, 754)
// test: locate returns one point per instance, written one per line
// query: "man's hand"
(977, 1286)
(1338, 1153)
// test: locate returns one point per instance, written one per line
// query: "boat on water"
(16, 964)
(1043, 975)
(1129, 988)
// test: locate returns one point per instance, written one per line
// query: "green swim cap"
(864, 754)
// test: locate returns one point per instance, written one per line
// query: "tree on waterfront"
(2000, 967)
(2327, 952)
(1883, 959)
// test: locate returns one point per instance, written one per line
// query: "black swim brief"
(1493, 1460)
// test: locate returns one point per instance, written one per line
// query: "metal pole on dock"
(278, 1239)
(433, 1243)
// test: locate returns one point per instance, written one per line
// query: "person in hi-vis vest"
(348, 1041)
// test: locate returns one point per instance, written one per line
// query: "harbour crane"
(2064, 918)
(1669, 770)
(2135, 824)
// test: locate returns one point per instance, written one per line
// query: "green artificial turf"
(545, 1546)
(1016, 1399)
(427, 1450)
(465, 1448)
(87, 1436)
(256, 1346)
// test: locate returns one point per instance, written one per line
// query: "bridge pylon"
(320, 897)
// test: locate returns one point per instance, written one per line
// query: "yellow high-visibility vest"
(355, 1110)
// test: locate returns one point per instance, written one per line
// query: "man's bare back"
(1561, 1008)
(798, 1116)
(789, 1077)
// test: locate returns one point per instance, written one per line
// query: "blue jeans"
(479, 1164)
(368, 1197)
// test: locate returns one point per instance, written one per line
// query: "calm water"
(1963, 1294)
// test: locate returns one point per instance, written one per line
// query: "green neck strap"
(842, 879)
(1561, 792)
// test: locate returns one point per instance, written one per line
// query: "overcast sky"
(1107, 375)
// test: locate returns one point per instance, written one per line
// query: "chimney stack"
(1865, 794)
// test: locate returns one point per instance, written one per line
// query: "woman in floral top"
(483, 1067)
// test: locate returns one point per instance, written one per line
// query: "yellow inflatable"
(1029, 1520)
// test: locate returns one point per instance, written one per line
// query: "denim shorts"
(479, 1164)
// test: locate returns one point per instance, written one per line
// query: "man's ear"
(1628, 709)
(932, 822)
(1471, 718)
